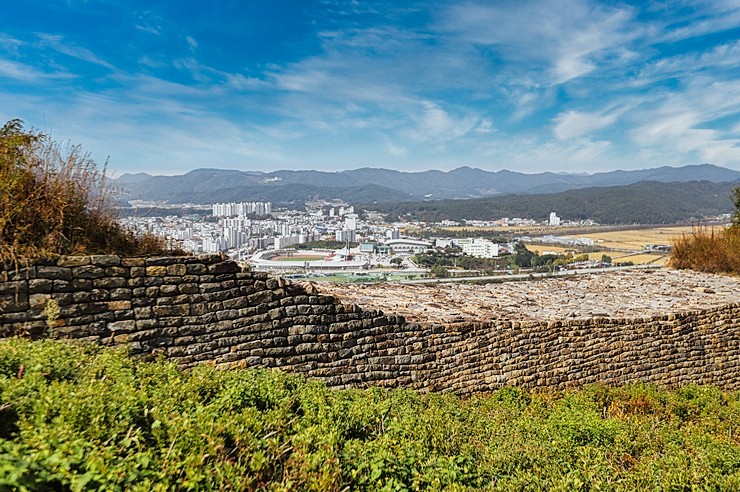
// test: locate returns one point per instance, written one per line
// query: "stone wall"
(202, 309)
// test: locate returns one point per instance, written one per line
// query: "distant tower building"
(554, 219)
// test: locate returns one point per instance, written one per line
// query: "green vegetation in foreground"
(81, 417)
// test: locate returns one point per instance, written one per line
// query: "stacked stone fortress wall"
(205, 310)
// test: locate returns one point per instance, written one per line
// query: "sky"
(167, 86)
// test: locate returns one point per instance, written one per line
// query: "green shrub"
(80, 417)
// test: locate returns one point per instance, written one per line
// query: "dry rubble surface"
(626, 294)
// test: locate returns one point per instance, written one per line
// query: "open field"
(644, 258)
(636, 239)
(541, 248)
(617, 256)
(528, 229)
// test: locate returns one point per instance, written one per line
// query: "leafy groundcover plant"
(82, 417)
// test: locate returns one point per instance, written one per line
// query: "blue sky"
(568, 85)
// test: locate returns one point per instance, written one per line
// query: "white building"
(345, 235)
(554, 219)
(408, 245)
(244, 208)
(478, 247)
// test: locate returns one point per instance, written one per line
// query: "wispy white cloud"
(566, 40)
(531, 153)
(56, 42)
(485, 127)
(433, 122)
(724, 56)
(397, 150)
(26, 73)
(19, 71)
(148, 22)
(571, 124)
(703, 17)
(683, 122)
(10, 44)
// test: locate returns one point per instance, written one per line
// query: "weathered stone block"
(156, 271)
(177, 269)
(40, 286)
(105, 260)
(73, 261)
(181, 310)
(54, 273)
(224, 267)
(88, 271)
(196, 269)
(169, 290)
(61, 286)
(120, 294)
(209, 287)
(189, 288)
(38, 301)
(110, 282)
(133, 262)
(118, 305)
(209, 258)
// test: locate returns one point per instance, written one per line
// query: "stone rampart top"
(624, 294)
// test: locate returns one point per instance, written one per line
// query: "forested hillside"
(643, 203)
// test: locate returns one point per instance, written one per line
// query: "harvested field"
(636, 239)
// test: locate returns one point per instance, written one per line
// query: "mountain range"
(645, 202)
(385, 185)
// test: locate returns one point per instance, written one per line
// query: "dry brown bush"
(56, 201)
(708, 250)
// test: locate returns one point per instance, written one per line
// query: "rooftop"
(625, 294)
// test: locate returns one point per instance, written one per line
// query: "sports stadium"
(302, 260)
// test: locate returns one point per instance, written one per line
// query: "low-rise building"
(478, 247)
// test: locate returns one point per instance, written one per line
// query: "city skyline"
(574, 86)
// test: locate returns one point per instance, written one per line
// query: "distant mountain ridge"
(387, 185)
(644, 202)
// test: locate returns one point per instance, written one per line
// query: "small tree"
(438, 271)
(606, 259)
(736, 203)
(396, 261)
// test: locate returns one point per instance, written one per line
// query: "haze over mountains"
(386, 185)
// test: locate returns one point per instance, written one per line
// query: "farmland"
(635, 239)
(622, 245)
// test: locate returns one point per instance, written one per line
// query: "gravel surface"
(617, 294)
